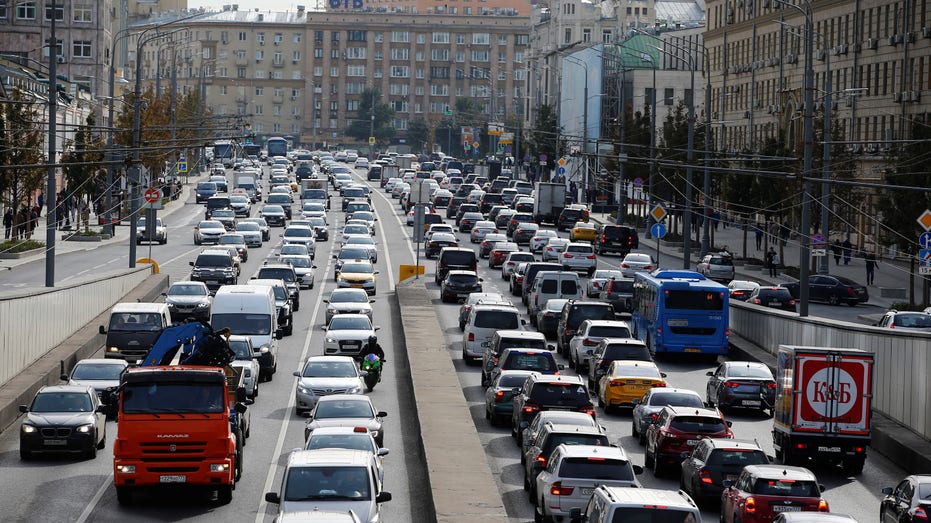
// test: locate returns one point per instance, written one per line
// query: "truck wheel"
(124, 495)
(853, 466)
(225, 494)
(289, 330)
(239, 459)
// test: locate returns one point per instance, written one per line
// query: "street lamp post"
(51, 190)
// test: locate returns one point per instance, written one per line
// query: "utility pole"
(826, 165)
(51, 189)
(372, 121)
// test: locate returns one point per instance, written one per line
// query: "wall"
(903, 359)
(25, 336)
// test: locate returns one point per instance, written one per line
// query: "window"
(296, 38)
(421, 38)
(355, 70)
(260, 38)
(240, 72)
(59, 11)
(668, 95)
(439, 55)
(461, 39)
(334, 54)
(480, 38)
(355, 53)
(480, 56)
(519, 57)
(502, 57)
(439, 72)
(418, 56)
(277, 109)
(3, 12)
(81, 49)
(378, 55)
(379, 37)
(260, 91)
(567, 37)
(295, 93)
(279, 37)
(400, 71)
(439, 90)
(258, 109)
(318, 36)
(242, 36)
(318, 71)
(398, 89)
(222, 72)
(398, 53)
(440, 38)
(356, 36)
(259, 55)
(296, 56)
(334, 71)
(318, 52)
(460, 56)
(82, 13)
(278, 59)
(259, 73)
(522, 39)
(400, 36)
(586, 35)
(26, 11)
(334, 36)
(606, 36)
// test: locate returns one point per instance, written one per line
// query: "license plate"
(588, 491)
(750, 403)
(212, 282)
(173, 479)
(351, 345)
(776, 303)
(731, 477)
(692, 349)
(784, 508)
(692, 442)
(829, 449)
(56, 442)
(356, 285)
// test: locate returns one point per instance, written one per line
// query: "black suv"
(616, 238)
(214, 268)
(282, 271)
(574, 312)
(570, 215)
(454, 258)
(714, 460)
(457, 285)
(549, 392)
(454, 206)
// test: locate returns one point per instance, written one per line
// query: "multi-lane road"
(76, 490)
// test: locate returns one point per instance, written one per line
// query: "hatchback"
(553, 248)
(500, 252)
(762, 492)
(746, 384)
(499, 396)
(648, 407)
(542, 392)
(458, 285)
(714, 461)
(718, 267)
(678, 429)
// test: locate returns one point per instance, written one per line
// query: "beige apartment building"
(303, 73)
(877, 55)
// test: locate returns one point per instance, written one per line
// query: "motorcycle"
(372, 366)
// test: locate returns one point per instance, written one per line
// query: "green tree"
(82, 166)
(418, 133)
(898, 208)
(361, 127)
(21, 143)
(544, 138)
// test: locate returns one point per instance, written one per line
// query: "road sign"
(152, 195)
(475, 146)
(182, 166)
(818, 241)
(371, 140)
(925, 220)
(658, 213)
(542, 157)
(466, 146)
(562, 161)
(658, 230)
(819, 252)
(925, 240)
(638, 182)
(924, 262)
(560, 170)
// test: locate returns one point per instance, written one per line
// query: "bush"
(791, 271)
(905, 306)
(16, 246)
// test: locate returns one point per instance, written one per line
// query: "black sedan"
(832, 289)
(907, 502)
(773, 297)
(63, 418)
(746, 384)
(274, 215)
(438, 241)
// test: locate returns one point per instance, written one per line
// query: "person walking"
(7, 223)
(847, 249)
(871, 265)
(836, 251)
(40, 201)
(771, 259)
(758, 230)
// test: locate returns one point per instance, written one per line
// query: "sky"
(249, 5)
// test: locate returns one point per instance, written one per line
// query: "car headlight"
(303, 390)
(29, 429)
(113, 349)
(263, 349)
(126, 469)
(354, 390)
(219, 467)
(202, 305)
(331, 340)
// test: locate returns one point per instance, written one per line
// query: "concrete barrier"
(462, 487)
(81, 344)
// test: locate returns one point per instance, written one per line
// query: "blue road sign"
(542, 157)
(924, 257)
(658, 230)
(818, 241)
(925, 240)
(638, 182)
(182, 166)
(560, 170)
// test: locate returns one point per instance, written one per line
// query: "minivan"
(133, 329)
(484, 320)
(454, 258)
(249, 310)
(549, 285)
(531, 272)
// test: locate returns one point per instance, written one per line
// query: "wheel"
(601, 404)
(572, 363)
(642, 439)
(103, 442)
(91, 453)
(462, 326)
(255, 389)
(658, 469)
(647, 459)
(225, 494)
(538, 516)
(297, 306)
(833, 299)
(24, 454)
(124, 495)
(489, 417)
(196, 241)
(633, 430)
(289, 330)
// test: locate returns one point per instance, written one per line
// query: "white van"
(484, 320)
(249, 310)
(548, 285)
(133, 329)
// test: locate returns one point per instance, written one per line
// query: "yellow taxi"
(582, 232)
(626, 381)
(357, 274)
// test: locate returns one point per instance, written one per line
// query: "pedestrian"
(22, 223)
(784, 232)
(847, 249)
(716, 219)
(771, 260)
(758, 230)
(836, 251)
(40, 201)
(33, 221)
(7, 223)
(871, 265)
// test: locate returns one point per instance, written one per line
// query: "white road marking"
(89, 509)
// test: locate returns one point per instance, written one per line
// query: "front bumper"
(56, 439)
(189, 472)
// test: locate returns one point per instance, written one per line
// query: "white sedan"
(540, 238)
(637, 262)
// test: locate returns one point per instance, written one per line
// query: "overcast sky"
(249, 5)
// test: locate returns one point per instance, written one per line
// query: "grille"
(56, 432)
(328, 392)
(180, 447)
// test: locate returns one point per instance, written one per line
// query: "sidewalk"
(121, 233)
(891, 277)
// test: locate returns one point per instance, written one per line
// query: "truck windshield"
(242, 323)
(142, 398)
(135, 321)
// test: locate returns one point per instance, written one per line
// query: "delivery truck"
(823, 406)
(550, 200)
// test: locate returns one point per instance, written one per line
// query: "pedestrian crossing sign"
(182, 166)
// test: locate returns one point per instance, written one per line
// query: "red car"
(762, 492)
(500, 253)
(678, 429)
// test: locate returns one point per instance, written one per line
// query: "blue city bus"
(276, 146)
(679, 311)
(224, 151)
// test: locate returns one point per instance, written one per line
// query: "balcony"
(278, 63)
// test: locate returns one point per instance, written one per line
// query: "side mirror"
(381, 414)
(637, 469)
(272, 497)
(377, 272)
(523, 425)
(279, 334)
(729, 424)
(886, 490)
(377, 327)
(240, 408)
(590, 352)
(190, 263)
(560, 366)
(820, 487)
(64, 377)
(296, 373)
(635, 402)
(371, 301)
(709, 373)
(328, 301)
(662, 374)
(102, 409)
(550, 347)
(24, 409)
(102, 330)
(383, 497)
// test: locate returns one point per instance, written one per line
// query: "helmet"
(371, 358)
(373, 340)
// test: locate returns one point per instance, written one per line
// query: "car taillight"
(625, 266)
(731, 384)
(494, 360)
(771, 385)
(530, 408)
(591, 256)
(511, 264)
(589, 343)
(568, 333)
(756, 301)
(499, 396)
(587, 410)
(648, 267)
(471, 336)
(822, 505)
(851, 292)
(654, 416)
(920, 514)
(792, 302)
(566, 255)
(604, 237)
(705, 476)
(750, 506)
(616, 383)
(558, 490)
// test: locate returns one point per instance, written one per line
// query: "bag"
(776, 260)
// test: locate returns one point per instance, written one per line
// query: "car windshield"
(247, 226)
(299, 232)
(721, 260)
(232, 239)
(511, 381)
(61, 402)
(346, 323)
(329, 369)
(497, 320)
(596, 468)
(786, 488)
(242, 323)
(580, 313)
(355, 229)
(293, 248)
(523, 343)
(338, 296)
(273, 273)
(242, 349)
(365, 268)
(297, 261)
(96, 371)
(211, 225)
(626, 351)
(698, 424)
(609, 331)
(360, 240)
(182, 289)
(344, 409)
(200, 398)
(462, 279)
(536, 361)
(651, 515)
(223, 213)
(336, 483)
(918, 320)
(637, 371)
(135, 321)
(676, 399)
(749, 371)
(360, 441)
(353, 254)
(559, 392)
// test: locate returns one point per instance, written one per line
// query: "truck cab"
(133, 329)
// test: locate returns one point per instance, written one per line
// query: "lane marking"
(95, 500)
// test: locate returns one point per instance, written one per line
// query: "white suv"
(483, 321)
(580, 257)
(331, 479)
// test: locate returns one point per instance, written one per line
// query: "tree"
(898, 208)
(21, 142)
(418, 133)
(544, 138)
(82, 167)
(361, 127)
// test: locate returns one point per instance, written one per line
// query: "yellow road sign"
(406, 271)
(371, 140)
(658, 213)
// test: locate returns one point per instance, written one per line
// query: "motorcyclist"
(375, 348)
